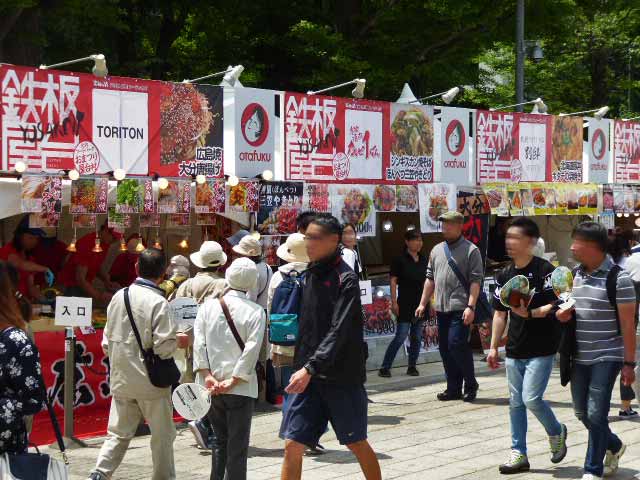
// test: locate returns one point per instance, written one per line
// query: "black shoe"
(446, 396)
(413, 372)
(470, 396)
(384, 373)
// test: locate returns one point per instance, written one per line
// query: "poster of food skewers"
(244, 197)
(41, 193)
(434, 200)
(316, 197)
(411, 143)
(270, 244)
(354, 204)
(89, 195)
(175, 198)
(210, 197)
(498, 198)
(280, 203)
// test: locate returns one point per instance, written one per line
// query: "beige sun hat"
(209, 255)
(249, 246)
(294, 249)
(242, 274)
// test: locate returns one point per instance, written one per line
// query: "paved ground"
(416, 437)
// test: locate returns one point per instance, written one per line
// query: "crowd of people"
(321, 373)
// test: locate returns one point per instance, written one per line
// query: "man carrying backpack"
(605, 344)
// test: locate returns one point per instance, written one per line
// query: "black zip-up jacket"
(330, 340)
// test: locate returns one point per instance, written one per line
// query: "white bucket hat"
(242, 274)
(209, 255)
(294, 249)
(249, 247)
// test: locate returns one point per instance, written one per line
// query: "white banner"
(532, 150)
(454, 145)
(354, 204)
(435, 199)
(598, 150)
(120, 131)
(255, 130)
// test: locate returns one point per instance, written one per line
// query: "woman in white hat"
(250, 247)
(207, 282)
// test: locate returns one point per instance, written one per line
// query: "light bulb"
(410, 227)
(123, 245)
(233, 181)
(184, 244)
(72, 246)
(74, 174)
(256, 235)
(267, 175)
(201, 179)
(140, 246)
(619, 215)
(387, 226)
(97, 248)
(626, 215)
(20, 167)
(119, 174)
(163, 183)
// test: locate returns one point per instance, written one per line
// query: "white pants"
(124, 417)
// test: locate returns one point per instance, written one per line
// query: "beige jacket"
(201, 287)
(129, 378)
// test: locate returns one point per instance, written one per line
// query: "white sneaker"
(611, 461)
(193, 426)
(590, 476)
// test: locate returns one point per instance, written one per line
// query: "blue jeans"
(528, 379)
(455, 350)
(414, 330)
(591, 387)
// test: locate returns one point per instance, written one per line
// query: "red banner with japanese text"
(626, 148)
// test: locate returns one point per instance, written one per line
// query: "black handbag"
(162, 373)
(483, 311)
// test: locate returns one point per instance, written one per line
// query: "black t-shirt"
(411, 276)
(535, 337)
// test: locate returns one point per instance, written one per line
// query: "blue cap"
(236, 237)
(23, 227)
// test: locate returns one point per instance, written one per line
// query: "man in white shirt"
(227, 362)
(134, 397)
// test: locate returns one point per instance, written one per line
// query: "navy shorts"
(345, 406)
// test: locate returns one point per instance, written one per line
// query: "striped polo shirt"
(597, 328)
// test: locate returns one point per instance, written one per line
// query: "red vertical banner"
(626, 150)
(496, 146)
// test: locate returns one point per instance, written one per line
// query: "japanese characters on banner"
(134, 195)
(316, 197)
(176, 198)
(255, 130)
(565, 162)
(280, 203)
(329, 138)
(454, 145)
(411, 143)
(599, 151)
(210, 197)
(41, 194)
(89, 196)
(626, 148)
(354, 204)
(54, 120)
(435, 199)
(496, 138)
(531, 163)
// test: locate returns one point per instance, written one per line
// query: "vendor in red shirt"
(18, 253)
(51, 253)
(123, 270)
(85, 265)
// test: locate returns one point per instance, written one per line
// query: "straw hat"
(249, 247)
(209, 255)
(294, 249)
(242, 274)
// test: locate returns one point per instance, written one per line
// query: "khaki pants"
(124, 418)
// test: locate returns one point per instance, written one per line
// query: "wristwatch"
(309, 368)
(630, 364)
(471, 307)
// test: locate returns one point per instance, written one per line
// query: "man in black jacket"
(329, 357)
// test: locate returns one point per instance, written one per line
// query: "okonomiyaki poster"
(496, 142)
(55, 120)
(626, 147)
(599, 150)
(565, 161)
(454, 145)
(335, 139)
(411, 143)
(255, 130)
(354, 204)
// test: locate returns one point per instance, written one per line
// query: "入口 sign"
(73, 311)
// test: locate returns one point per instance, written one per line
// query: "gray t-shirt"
(450, 295)
(597, 332)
